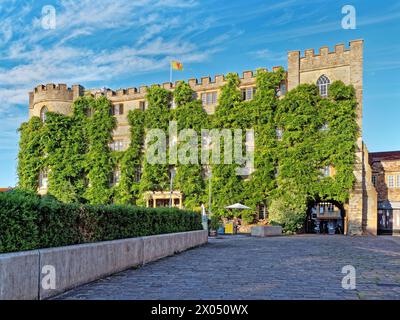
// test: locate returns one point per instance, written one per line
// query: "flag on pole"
(176, 65)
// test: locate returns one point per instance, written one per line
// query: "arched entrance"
(325, 217)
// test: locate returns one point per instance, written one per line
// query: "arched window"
(323, 84)
(43, 112)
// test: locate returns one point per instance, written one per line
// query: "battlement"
(341, 63)
(61, 87)
(325, 58)
(198, 85)
(54, 92)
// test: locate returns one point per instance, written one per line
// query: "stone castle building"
(358, 216)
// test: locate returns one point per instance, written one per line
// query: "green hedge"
(28, 221)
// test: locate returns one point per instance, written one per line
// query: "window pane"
(209, 98)
(390, 181)
(249, 93)
(283, 88)
(214, 97)
(243, 94)
(204, 98)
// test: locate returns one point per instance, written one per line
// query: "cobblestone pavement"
(242, 267)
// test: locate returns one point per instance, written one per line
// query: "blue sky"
(128, 43)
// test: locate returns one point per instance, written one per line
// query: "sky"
(129, 43)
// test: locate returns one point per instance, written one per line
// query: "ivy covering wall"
(316, 133)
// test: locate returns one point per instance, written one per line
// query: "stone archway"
(327, 217)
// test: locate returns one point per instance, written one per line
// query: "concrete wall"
(22, 273)
(19, 275)
(266, 231)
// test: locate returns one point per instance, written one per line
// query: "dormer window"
(43, 112)
(323, 85)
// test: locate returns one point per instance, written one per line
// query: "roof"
(384, 156)
(5, 189)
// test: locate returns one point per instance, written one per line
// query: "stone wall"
(370, 198)
(22, 273)
(382, 170)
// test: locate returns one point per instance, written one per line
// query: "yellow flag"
(176, 65)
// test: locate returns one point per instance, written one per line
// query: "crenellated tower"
(54, 98)
(345, 64)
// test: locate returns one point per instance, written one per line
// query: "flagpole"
(170, 72)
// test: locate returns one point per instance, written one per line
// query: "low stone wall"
(22, 273)
(19, 275)
(266, 231)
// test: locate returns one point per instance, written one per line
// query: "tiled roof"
(5, 189)
(384, 156)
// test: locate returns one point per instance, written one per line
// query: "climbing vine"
(189, 114)
(99, 158)
(30, 156)
(315, 133)
(155, 177)
(127, 191)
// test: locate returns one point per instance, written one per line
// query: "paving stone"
(241, 267)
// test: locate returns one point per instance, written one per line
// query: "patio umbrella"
(237, 206)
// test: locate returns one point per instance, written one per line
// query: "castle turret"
(54, 98)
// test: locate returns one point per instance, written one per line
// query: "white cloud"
(268, 55)
(41, 56)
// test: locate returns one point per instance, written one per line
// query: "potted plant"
(215, 224)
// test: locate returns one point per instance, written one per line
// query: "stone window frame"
(43, 179)
(326, 171)
(390, 181)
(143, 105)
(279, 134)
(43, 112)
(117, 145)
(138, 173)
(209, 98)
(116, 177)
(323, 84)
(248, 93)
(117, 109)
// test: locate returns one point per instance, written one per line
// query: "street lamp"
(172, 174)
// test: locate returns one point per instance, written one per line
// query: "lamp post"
(172, 173)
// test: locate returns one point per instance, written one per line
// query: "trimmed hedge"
(28, 221)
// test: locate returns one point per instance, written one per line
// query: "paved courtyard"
(242, 267)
